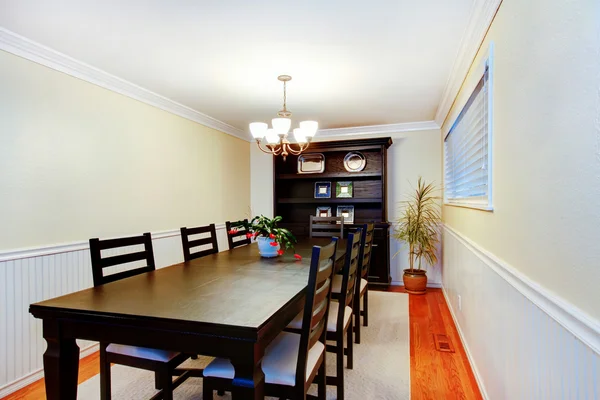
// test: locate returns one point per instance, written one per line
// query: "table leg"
(61, 365)
(249, 380)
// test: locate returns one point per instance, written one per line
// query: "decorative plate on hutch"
(355, 161)
(312, 163)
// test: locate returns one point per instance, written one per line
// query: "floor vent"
(442, 343)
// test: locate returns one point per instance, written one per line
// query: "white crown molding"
(378, 129)
(33, 51)
(573, 319)
(480, 20)
(29, 252)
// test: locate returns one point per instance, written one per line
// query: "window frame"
(478, 73)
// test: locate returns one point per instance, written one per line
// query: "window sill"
(480, 207)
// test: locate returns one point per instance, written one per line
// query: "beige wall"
(261, 171)
(546, 138)
(78, 161)
(412, 154)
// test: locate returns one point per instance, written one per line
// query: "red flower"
(274, 244)
(271, 236)
(255, 234)
(248, 236)
(298, 256)
(280, 252)
(233, 231)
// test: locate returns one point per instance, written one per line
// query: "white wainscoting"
(32, 275)
(523, 342)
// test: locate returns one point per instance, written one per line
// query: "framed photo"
(322, 190)
(347, 212)
(343, 189)
(323, 212)
(311, 163)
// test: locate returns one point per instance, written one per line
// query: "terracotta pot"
(415, 281)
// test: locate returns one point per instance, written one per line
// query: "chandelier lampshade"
(281, 126)
(258, 129)
(309, 127)
(299, 135)
(275, 138)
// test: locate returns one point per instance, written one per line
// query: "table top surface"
(235, 288)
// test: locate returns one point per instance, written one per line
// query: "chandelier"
(275, 138)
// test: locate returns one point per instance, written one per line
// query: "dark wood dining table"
(230, 304)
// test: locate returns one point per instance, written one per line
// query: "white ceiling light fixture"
(276, 137)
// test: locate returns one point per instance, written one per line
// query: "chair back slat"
(317, 333)
(121, 242)
(188, 244)
(366, 249)
(99, 263)
(123, 259)
(349, 276)
(125, 274)
(316, 308)
(241, 231)
(326, 226)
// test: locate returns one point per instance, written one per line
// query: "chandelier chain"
(284, 96)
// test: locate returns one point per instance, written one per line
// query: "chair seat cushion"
(142, 352)
(336, 285)
(363, 285)
(334, 309)
(279, 362)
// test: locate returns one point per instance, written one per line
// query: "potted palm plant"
(272, 241)
(419, 226)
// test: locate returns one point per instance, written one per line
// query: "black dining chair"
(236, 234)
(210, 240)
(326, 227)
(339, 324)
(292, 362)
(362, 286)
(162, 362)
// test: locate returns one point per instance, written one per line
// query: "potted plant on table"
(419, 226)
(272, 241)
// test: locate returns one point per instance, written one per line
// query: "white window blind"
(467, 151)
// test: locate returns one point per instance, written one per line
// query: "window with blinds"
(467, 151)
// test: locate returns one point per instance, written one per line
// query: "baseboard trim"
(39, 374)
(573, 319)
(29, 252)
(478, 378)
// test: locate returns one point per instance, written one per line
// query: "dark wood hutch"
(294, 198)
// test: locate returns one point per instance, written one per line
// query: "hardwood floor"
(434, 375)
(88, 367)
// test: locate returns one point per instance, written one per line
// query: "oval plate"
(355, 161)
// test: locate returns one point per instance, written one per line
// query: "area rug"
(381, 362)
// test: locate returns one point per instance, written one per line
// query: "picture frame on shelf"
(347, 212)
(322, 190)
(344, 189)
(323, 212)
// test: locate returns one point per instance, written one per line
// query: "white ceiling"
(353, 62)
